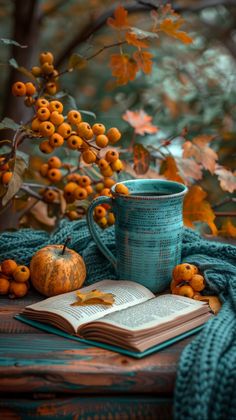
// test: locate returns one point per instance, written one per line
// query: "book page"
(127, 293)
(158, 311)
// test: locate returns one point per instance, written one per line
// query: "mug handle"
(92, 228)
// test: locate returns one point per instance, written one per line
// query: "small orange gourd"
(56, 269)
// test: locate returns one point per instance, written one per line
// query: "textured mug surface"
(148, 231)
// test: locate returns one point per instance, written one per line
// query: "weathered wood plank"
(88, 408)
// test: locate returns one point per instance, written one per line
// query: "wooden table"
(49, 377)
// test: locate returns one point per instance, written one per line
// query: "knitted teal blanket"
(206, 379)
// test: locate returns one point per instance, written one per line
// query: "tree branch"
(140, 6)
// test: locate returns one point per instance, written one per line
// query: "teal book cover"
(138, 355)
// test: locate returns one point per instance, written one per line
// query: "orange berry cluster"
(52, 169)
(14, 279)
(186, 281)
(5, 173)
(103, 216)
(78, 187)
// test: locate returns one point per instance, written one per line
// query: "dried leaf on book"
(94, 297)
(213, 302)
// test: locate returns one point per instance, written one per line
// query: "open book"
(137, 321)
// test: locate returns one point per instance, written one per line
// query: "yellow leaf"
(132, 39)
(198, 149)
(213, 302)
(197, 209)
(124, 68)
(120, 20)
(171, 171)
(228, 229)
(171, 27)
(94, 297)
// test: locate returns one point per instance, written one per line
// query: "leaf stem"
(65, 244)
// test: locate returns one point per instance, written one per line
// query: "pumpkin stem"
(66, 242)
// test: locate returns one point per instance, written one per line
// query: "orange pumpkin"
(56, 269)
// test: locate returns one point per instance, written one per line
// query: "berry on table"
(8, 267)
(21, 274)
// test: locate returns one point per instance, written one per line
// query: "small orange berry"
(89, 156)
(64, 130)
(55, 162)
(47, 69)
(98, 129)
(108, 182)
(74, 142)
(56, 140)
(111, 219)
(35, 124)
(8, 266)
(197, 282)
(107, 172)
(183, 272)
(112, 156)
(69, 191)
(56, 118)
(84, 181)
(41, 102)
(102, 222)
(46, 128)
(73, 215)
(44, 169)
(46, 57)
(45, 147)
(89, 189)
(74, 117)
(102, 140)
(100, 212)
(113, 135)
(18, 89)
(80, 193)
(54, 175)
(186, 291)
(99, 187)
(21, 274)
(85, 130)
(51, 88)
(50, 195)
(4, 286)
(106, 192)
(121, 189)
(73, 177)
(36, 71)
(17, 289)
(6, 177)
(56, 106)
(103, 164)
(43, 113)
(30, 89)
(117, 166)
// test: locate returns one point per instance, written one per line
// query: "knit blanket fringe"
(205, 386)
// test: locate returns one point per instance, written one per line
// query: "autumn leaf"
(94, 297)
(150, 174)
(132, 39)
(141, 159)
(120, 20)
(228, 229)
(213, 302)
(171, 27)
(198, 149)
(124, 68)
(141, 122)
(227, 179)
(197, 209)
(189, 169)
(143, 60)
(171, 170)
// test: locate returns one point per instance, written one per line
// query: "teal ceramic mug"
(148, 231)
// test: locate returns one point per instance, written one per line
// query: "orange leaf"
(171, 28)
(171, 171)
(202, 153)
(228, 229)
(124, 68)
(213, 302)
(197, 209)
(94, 297)
(140, 121)
(141, 159)
(227, 179)
(120, 20)
(132, 39)
(189, 169)
(143, 60)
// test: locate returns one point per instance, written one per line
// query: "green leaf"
(16, 180)
(92, 114)
(9, 123)
(7, 41)
(13, 63)
(77, 62)
(23, 156)
(143, 34)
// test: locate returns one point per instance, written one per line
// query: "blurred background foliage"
(190, 86)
